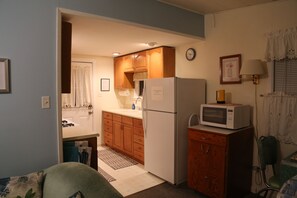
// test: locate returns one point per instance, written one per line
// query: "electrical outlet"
(45, 102)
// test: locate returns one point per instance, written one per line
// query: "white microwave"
(229, 116)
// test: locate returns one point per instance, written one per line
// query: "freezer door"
(159, 94)
(159, 145)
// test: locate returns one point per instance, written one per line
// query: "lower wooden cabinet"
(220, 165)
(107, 128)
(138, 140)
(124, 134)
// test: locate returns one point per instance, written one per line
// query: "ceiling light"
(152, 44)
(116, 54)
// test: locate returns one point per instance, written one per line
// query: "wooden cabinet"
(124, 134)
(127, 123)
(158, 63)
(107, 128)
(117, 132)
(161, 62)
(140, 62)
(122, 79)
(220, 165)
(66, 57)
(138, 140)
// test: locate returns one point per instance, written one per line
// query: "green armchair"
(63, 180)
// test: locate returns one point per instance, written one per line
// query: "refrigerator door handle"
(144, 117)
(144, 105)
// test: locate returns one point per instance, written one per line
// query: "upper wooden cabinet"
(158, 63)
(122, 79)
(161, 62)
(66, 57)
(140, 61)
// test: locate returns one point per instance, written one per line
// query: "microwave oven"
(229, 116)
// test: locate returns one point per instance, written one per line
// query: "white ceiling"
(101, 37)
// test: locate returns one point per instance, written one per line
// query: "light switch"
(45, 102)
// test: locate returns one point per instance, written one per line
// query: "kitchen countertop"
(216, 129)
(77, 132)
(126, 112)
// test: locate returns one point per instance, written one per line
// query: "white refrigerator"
(167, 106)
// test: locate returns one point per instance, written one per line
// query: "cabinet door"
(128, 63)
(128, 139)
(66, 57)
(117, 136)
(155, 63)
(161, 62)
(122, 80)
(140, 62)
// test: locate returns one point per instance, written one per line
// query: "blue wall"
(28, 134)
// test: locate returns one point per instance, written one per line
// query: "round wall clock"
(190, 54)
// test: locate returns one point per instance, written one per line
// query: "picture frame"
(230, 69)
(4, 75)
(105, 84)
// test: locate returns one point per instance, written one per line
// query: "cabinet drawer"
(116, 117)
(138, 131)
(107, 128)
(108, 141)
(138, 139)
(137, 123)
(138, 147)
(127, 120)
(108, 135)
(107, 115)
(107, 122)
(210, 138)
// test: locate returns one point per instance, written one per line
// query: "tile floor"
(131, 179)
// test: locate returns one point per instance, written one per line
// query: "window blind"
(285, 76)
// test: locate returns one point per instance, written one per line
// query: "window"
(285, 76)
(81, 86)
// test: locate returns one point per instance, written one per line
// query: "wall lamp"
(253, 68)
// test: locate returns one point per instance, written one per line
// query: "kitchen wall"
(102, 68)
(241, 31)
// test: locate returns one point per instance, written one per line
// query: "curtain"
(279, 108)
(280, 116)
(81, 92)
(282, 44)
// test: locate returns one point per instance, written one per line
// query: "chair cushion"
(22, 186)
(275, 182)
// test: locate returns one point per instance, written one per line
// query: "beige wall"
(241, 31)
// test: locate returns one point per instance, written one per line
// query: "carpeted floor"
(167, 190)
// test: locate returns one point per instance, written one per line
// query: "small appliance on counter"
(229, 116)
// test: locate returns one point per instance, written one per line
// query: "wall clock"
(190, 54)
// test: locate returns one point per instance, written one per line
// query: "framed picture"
(105, 84)
(230, 68)
(4, 76)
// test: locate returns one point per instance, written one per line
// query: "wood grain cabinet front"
(66, 57)
(138, 140)
(219, 166)
(124, 134)
(107, 128)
